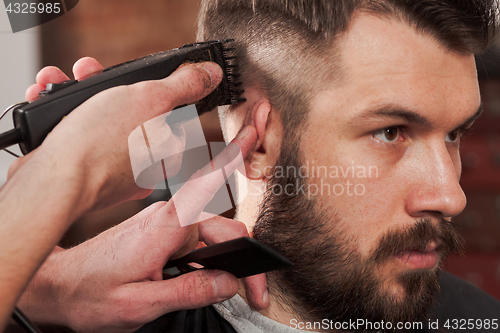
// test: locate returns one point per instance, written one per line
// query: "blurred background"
(115, 31)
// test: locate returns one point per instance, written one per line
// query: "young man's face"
(382, 154)
(394, 119)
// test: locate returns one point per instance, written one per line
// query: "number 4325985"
(33, 8)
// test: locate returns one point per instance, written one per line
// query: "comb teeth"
(232, 75)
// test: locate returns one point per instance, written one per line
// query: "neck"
(280, 307)
(281, 311)
(276, 311)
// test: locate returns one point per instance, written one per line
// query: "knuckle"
(170, 211)
(194, 289)
(156, 206)
(149, 216)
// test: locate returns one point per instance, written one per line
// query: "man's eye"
(453, 137)
(389, 134)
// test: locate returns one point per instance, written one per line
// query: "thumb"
(186, 85)
(189, 291)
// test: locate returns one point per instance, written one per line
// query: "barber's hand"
(113, 282)
(93, 139)
(81, 69)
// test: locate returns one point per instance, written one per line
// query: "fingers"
(186, 85)
(189, 291)
(50, 74)
(85, 67)
(193, 82)
(163, 157)
(219, 229)
(32, 92)
(256, 291)
(197, 192)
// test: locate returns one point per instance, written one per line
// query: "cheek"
(365, 193)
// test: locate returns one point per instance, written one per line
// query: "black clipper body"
(36, 119)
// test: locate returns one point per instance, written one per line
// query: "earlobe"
(261, 161)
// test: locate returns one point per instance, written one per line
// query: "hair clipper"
(34, 120)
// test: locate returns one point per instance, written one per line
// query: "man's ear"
(260, 162)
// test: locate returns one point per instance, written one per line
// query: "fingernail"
(214, 71)
(222, 286)
(243, 133)
(265, 297)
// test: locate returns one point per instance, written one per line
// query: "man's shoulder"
(459, 299)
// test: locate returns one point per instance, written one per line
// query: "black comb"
(241, 257)
(34, 120)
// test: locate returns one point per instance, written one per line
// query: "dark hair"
(281, 44)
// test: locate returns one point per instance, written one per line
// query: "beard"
(330, 279)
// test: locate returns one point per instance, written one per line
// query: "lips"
(417, 259)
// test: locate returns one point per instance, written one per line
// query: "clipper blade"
(231, 72)
(229, 91)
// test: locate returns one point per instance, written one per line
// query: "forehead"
(385, 61)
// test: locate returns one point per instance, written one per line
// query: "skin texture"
(388, 68)
(87, 287)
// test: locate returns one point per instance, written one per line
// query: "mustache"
(417, 237)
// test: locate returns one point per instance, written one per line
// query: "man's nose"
(436, 189)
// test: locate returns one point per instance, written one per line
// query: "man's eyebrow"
(468, 123)
(395, 112)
